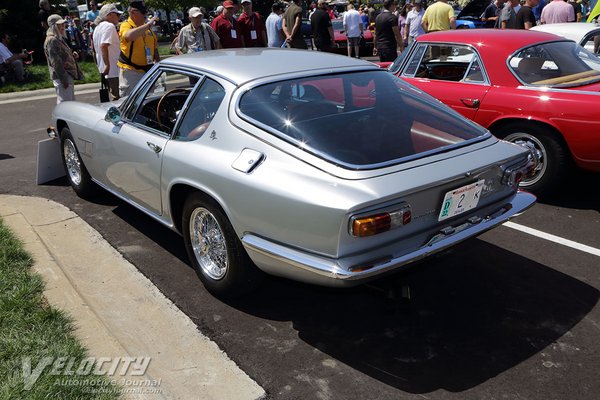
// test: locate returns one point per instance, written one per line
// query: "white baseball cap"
(195, 12)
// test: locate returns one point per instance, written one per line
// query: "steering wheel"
(170, 111)
(422, 71)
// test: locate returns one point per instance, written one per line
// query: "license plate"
(459, 200)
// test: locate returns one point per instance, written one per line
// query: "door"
(132, 155)
(451, 73)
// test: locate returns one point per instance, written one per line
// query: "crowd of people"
(125, 50)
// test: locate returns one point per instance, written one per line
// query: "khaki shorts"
(128, 78)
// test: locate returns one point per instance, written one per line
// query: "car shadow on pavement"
(170, 240)
(580, 192)
(101, 198)
(474, 313)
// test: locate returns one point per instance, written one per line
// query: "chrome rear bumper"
(279, 260)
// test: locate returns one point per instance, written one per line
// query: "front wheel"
(78, 175)
(553, 160)
(215, 250)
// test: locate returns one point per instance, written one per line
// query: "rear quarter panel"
(572, 113)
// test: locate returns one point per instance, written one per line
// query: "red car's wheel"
(553, 157)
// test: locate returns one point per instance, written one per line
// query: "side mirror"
(113, 115)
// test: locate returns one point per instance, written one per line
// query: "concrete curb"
(119, 312)
(17, 97)
(47, 91)
(79, 88)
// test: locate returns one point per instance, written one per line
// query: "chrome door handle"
(473, 103)
(154, 147)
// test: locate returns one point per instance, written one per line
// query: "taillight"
(514, 174)
(369, 225)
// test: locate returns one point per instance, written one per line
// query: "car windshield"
(359, 120)
(337, 25)
(556, 64)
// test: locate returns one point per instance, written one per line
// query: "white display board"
(49, 161)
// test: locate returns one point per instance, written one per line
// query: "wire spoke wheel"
(209, 243)
(215, 250)
(72, 162)
(78, 175)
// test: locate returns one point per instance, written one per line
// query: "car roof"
(243, 65)
(569, 30)
(502, 40)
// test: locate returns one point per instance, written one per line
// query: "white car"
(586, 34)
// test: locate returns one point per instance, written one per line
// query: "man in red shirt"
(227, 27)
(252, 26)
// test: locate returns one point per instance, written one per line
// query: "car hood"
(473, 9)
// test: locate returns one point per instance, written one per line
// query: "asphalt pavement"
(510, 315)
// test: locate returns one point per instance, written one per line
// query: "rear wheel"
(78, 175)
(215, 250)
(553, 157)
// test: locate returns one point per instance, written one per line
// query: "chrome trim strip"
(548, 89)
(334, 269)
(168, 223)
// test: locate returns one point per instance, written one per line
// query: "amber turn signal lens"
(371, 225)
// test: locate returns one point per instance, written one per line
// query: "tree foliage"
(20, 20)
(182, 5)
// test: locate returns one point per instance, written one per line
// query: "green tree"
(177, 5)
(20, 20)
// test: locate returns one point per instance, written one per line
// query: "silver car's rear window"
(356, 119)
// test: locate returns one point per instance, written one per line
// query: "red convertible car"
(531, 88)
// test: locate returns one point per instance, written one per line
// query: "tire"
(77, 173)
(554, 158)
(215, 251)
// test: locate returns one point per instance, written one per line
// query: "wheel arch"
(178, 195)
(60, 125)
(545, 126)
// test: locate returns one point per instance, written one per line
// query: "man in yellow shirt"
(139, 47)
(439, 17)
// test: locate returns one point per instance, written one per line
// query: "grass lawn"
(40, 77)
(30, 328)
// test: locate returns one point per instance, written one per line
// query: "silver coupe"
(306, 165)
